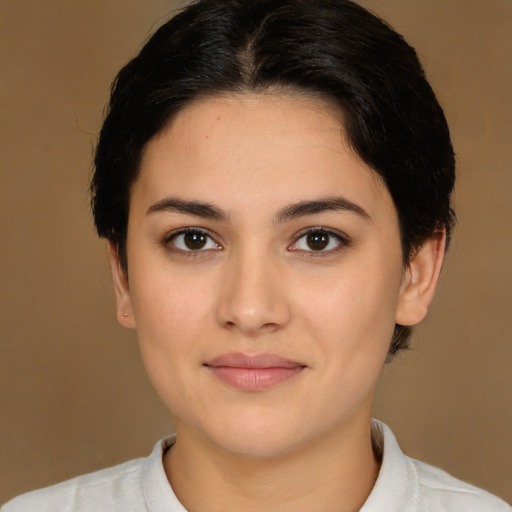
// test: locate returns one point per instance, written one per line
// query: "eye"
(319, 240)
(192, 240)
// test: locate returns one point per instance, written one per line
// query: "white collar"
(396, 488)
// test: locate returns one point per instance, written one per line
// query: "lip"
(253, 372)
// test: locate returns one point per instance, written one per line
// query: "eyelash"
(168, 241)
(342, 242)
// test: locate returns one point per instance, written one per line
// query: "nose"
(253, 296)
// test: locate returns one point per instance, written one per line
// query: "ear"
(420, 281)
(124, 307)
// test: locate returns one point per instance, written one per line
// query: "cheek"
(166, 333)
(169, 303)
(354, 307)
(172, 313)
(351, 320)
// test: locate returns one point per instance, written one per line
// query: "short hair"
(332, 49)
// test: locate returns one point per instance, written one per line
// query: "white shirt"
(141, 485)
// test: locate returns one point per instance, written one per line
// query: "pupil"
(317, 241)
(195, 241)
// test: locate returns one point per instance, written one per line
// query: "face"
(265, 273)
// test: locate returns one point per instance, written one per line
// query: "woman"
(274, 181)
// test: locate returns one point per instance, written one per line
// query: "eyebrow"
(194, 208)
(290, 212)
(329, 204)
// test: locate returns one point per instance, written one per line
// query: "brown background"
(73, 394)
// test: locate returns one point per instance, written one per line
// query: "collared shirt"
(141, 485)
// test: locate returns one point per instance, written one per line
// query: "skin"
(258, 287)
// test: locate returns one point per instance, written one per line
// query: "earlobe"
(420, 281)
(124, 307)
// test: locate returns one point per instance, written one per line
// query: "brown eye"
(193, 240)
(317, 241)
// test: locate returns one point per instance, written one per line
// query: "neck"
(334, 473)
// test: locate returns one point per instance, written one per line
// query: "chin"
(257, 436)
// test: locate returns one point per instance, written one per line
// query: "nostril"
(270, 327)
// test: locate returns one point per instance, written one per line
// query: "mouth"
(253, 372)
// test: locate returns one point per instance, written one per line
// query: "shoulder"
(92, 492)
(119, 485)
(440, 491)
(405, 484)
(135, 486)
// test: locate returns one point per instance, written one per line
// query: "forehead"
(256, 149)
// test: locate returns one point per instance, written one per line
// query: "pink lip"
(253, 372)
